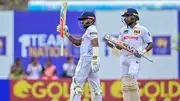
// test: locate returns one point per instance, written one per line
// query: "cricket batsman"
(137, 38)
(89, 62)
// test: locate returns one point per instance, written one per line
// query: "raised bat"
(63, 23)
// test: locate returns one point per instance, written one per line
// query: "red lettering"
(131, 37)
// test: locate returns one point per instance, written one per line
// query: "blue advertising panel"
(5, 90)
(3, 42)
(35, 35)
(162, 45)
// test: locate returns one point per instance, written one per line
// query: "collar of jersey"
(133, 27)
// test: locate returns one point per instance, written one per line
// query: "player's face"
(85, 23)
(128, 19)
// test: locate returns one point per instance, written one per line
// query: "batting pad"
(130, 89)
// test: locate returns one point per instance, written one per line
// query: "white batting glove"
(140, 52)
(95, 65)
(132, 49)
(65, 30)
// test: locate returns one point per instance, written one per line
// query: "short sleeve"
(120, 37)
(92, 32)
(146, 36)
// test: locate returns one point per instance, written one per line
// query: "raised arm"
(73, 40)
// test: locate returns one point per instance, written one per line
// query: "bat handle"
(147, 58)
(62, 46)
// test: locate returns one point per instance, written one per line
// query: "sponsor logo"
(162, 45)
(3, 42)
(137, 31)
(125, 31)
(130, 37)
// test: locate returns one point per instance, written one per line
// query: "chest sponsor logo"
(137, 32)
(130, 37)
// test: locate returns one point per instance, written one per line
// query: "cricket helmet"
(87, 15)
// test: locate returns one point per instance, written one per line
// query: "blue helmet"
(87, 15)
(131, 11)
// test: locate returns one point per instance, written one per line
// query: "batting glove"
(139, 52)
(95, 65)
(132, 49)
(65, 30)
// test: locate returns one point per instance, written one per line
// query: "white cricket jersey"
(86, 45)
(137, 37)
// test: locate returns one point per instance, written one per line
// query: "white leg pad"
(76, 91)
(130, 89)
(96, 95)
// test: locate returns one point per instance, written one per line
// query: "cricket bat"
(121, 44)
(63, 23)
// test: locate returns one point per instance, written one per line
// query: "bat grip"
(62, 46)
(144, 56)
